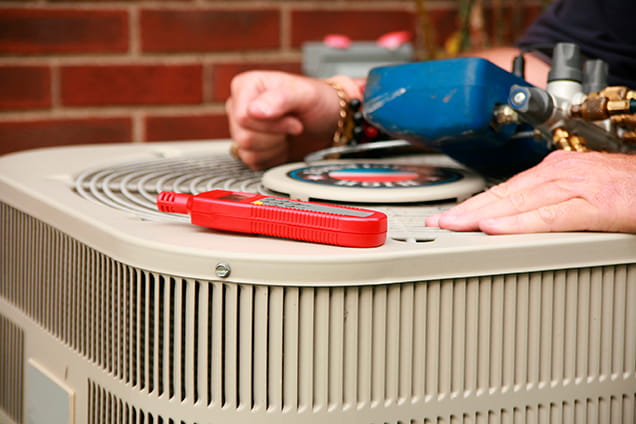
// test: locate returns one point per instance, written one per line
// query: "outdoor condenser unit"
(113, 312)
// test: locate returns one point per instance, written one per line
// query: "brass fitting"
(560, 138)
(617, 92)
(505, 115)
(566, 141)
(626, 121)
(629, 137)
(615, 107)
(578, 143)
(592, 109)
(598, 108)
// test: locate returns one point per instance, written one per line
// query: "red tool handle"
(274, 216)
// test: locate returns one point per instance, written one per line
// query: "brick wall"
(77, 72)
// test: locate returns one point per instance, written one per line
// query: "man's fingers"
(266, 158)
(271, 95)
(285, 124)
(506, 204)
(261, 160)
(527, 180)
(272, 104)
(556, 166)
(433, 220)
(258, 149)
(567, 191)
(571, 215)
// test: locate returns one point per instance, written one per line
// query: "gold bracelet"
(340, 136)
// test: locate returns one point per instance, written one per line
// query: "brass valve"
(599, 106)
(592, 109)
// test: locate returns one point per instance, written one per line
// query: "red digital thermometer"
(278, 217)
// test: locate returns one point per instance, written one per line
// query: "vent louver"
(11, 369)
(105, 408)
(264, 348)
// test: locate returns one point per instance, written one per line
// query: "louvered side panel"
(11, 369)
(217, 346)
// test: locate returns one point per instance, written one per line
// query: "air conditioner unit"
(112, 312)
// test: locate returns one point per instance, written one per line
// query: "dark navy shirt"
(603, 29)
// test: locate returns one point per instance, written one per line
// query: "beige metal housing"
(128, 317)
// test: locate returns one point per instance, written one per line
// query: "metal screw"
(519, 98)
(222, 270)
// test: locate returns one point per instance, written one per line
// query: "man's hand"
(567, 191)
(275, 117)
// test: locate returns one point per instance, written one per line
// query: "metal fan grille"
(133, 187)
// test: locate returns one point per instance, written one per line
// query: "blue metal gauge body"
(448, 105)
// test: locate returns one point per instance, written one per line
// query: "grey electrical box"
(323, 61)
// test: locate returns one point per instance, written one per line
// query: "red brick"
(209, 30)
(359, 24)
(131, 85)
(199, 127)
(25, 87)
(224, 72)
(46, 31)
(22, 135)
